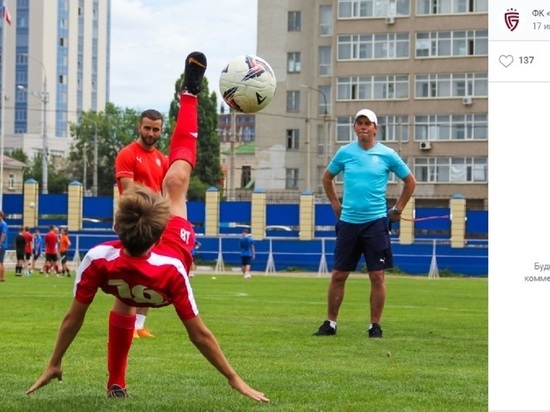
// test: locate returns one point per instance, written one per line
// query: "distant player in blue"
(248, 253)
(3, 244)
(362, 227)
(194, 255)
(37, 245)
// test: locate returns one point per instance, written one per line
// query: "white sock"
(332, 324)
(140, 321)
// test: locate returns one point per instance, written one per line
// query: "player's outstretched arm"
(51, 372)
(207, 344)
(71, 324)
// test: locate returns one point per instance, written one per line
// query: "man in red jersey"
(51, 240)
(144, 269)
(141, 162)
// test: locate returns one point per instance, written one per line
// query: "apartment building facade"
(54, 65)
(421, 65)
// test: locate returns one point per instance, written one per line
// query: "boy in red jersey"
(144, 269)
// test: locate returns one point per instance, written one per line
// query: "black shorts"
(63, 256)
(245, 260)
(371, 240)
(20, 254)
(51, 257)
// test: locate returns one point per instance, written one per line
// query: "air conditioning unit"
(467, 101)
(390, 20)
(425, 145)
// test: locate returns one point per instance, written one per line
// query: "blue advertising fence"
(282, 221)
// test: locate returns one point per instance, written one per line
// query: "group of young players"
(30, 247)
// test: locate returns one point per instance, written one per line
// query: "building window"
(294, 64)
(293, 101)
(325, 61)
(349, 9)
(451, 127)
(393, 128)
(294, 21)
(325, 20)
(344, 129)
(450, 169)
(451, 85)
(246, 175)
(293, 139)
(372, 87)
(292, 178)
(20, 115)
(424, 7)
(373, 46)
(452, 43)
(324, 100)
(321, 139)
(11, 181)
(390, 128)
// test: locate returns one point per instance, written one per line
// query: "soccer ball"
(247, 84)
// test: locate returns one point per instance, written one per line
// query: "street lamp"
(327, 130)
(44, 97)
(94, 177)
(85, 168)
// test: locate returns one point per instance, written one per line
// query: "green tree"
(207, 171)
(116, 127)
(19, 154)
(109, 131)
(57, 178)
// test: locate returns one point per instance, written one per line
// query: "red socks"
(183, 145)
(121, 334)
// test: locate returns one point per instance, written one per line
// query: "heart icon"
(506, 60)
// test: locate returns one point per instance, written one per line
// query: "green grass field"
(433, 356)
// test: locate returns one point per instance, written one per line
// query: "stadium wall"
(432, 232)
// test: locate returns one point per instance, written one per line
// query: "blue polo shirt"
(246, 243)
(4, 229)
(365, 176)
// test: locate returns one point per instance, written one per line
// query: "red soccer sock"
(121, 333)
(183, 145)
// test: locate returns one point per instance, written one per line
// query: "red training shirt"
(28, 238)
(50, 240)
(158, 279)
(146, 168)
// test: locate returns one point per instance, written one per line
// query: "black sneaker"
(375, 331)
(116, 391)
(325, 329)
(195, 66)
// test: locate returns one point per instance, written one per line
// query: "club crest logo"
(511, 18)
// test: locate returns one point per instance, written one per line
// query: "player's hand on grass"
(241, 386)
(47, 376)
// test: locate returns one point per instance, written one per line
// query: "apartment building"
(54, 65)
(421, 65)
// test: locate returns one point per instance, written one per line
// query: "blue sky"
(150, 39)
